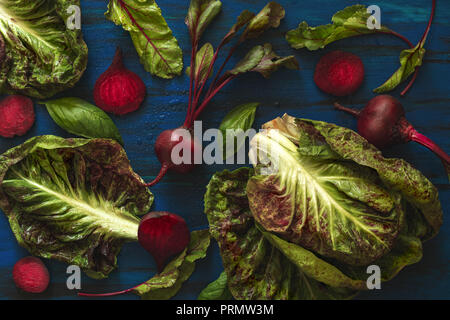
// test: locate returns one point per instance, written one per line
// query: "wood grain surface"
(292, 92)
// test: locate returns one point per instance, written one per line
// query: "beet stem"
(427, 142)
(161, 174)
(210, 97)
(422, 40)
(353, 112)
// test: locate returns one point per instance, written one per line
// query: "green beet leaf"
(203, 61)
(39, 55)
(155, 44)
(264, 60)
(200, 14)
(165, 285)
(269, 17)
(349, 22)
(73, 200)
(410, 59)
(82, 119)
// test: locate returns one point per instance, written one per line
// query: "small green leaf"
(410, 59)
(202, 63)
(349, 22)
(200, 14)
(217, 290)
(269, 17)
(244, 18)
(83, 119)
(158, 49)
(264, 60)
(165, 285)
(240, 118)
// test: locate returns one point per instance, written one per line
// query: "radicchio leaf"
(154, 42)
(256, 270)
(73, 200)
(39, 55)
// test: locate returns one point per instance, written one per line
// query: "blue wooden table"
(292, 92)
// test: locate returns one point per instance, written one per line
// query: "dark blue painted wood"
(288, 91)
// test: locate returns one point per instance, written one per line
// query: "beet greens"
(261, 59)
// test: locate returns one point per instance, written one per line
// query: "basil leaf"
(83, 119)
(73, 200)
(410, 59)
(217, 290)
(264, 60)
(241, 118)
(158, 49)
(165, 285)
(269, 17)
(349, 22)
(200, 14)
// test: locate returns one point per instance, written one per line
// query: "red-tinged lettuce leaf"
(264, 60)
(410, 59)
(396, 174)
(200, 14)
(39, 55)
(262, 263)
(165, 285)
(349, 22)
(217, 290)
(73, 200)
(154, 42)
(255, 268)
(269, 17)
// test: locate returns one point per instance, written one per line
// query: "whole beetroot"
(31, 275)
(16, 116)
(119, 90)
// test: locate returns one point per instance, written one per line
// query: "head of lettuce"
(319, 207)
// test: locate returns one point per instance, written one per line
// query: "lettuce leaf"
(39, 55)
(321, 205)
(73, 200)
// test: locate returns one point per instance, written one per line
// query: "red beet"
(383, 123)
(16, 116)
(119, 90)
(163, 235)
(164, 147)
(339, 73)
(31, 275)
